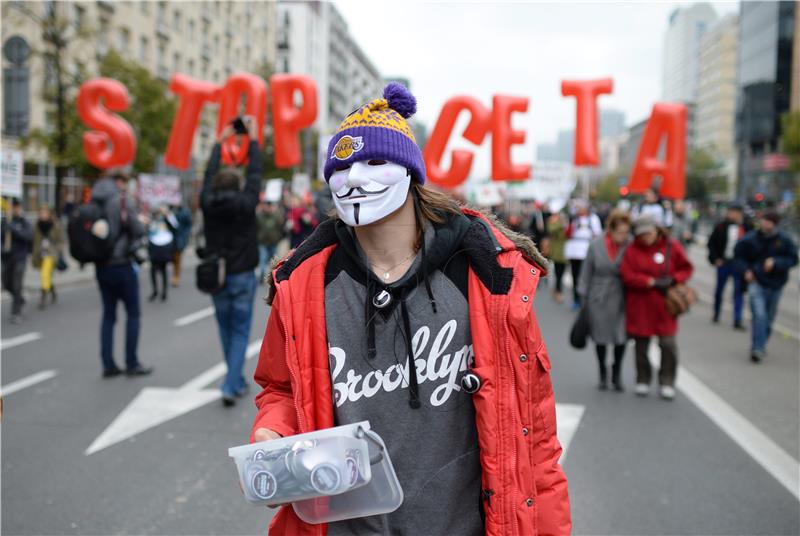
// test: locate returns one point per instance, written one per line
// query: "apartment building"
(209, 40)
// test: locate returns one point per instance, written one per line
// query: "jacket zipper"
(487, 497)
(513, 441)
(301, 424)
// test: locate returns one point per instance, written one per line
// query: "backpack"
(85, 223)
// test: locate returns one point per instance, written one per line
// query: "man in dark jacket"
(17, 240)
(720, 254)
(118, 276)
(765, 257)
(229, 213)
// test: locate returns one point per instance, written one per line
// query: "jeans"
(233, 307)
(265, 254)
(723, 273)
(119, 283)
(764, 306)
(13, 276)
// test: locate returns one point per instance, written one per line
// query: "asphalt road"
(718, 463)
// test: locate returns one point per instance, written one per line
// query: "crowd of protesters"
(624, 261)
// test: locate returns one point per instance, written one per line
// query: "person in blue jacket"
(765, 257)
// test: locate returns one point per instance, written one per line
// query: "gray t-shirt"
(434, 449)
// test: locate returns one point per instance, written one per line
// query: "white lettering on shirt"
(439, 364)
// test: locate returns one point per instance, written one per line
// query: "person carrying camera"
(416, 314)
(229, 205)
(118, 275)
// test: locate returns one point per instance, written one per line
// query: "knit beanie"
(379, 131)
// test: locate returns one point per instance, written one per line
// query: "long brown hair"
(434, 205)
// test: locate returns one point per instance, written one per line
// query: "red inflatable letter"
(461, 160)
(287, 119)
(112, 142)
(254, 88)
(503, 138)
(668, 120)
(192, 94)
(585, 93)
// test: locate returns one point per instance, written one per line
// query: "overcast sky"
(518, 48)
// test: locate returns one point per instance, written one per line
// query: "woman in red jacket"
(652, 264)
(404, 276)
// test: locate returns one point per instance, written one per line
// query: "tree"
(790, 132)
(704, 176)
(59, 36)
(607, 190)
(151, 109)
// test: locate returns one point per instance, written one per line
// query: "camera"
(238, 126)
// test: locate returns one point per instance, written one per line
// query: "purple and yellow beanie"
(379, 131)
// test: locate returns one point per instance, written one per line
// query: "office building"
(313, 39)
(715, 113)
(764, 89)
(687, 25)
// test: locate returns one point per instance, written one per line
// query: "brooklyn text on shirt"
(439, 364)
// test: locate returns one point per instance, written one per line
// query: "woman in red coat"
(652, 264)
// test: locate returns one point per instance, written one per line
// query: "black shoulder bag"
(211, 271)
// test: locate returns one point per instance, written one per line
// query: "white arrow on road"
(157, 405)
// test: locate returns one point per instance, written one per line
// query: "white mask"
(368, 191)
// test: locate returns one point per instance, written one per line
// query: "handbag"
(61, 263)
(679, 298)
(210, 274)
(580, 329)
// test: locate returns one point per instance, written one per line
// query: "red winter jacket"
(515, 408)
(646, 312)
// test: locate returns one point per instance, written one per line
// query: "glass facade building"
(763, 92)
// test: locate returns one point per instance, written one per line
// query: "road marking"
(568, 417)
(5, 344)
(194, 317)
(768, 454)
(157, 405)
(26, 382)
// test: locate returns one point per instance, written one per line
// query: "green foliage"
(704, 176)
(607, 190)
(151, 109)
(790, 130)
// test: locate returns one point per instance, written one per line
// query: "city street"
(84, 455)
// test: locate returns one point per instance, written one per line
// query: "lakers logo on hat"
(346, 146)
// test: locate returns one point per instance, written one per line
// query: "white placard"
(550, 181)
(11, 180)
(488, 194)
(301, 184)
(273, 193)
(157, 190)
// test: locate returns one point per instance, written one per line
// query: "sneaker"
(756, 356)
(228, 401)
(738, 326)
(667, 392)
(642, 389)
(139, 370)
(111, 372)
(715, 319)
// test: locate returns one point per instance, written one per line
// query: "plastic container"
(328, 475)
